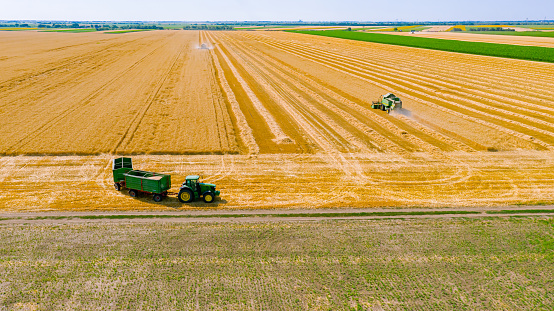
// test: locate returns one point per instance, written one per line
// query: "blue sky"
(288, 10)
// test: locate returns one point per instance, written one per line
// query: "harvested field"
(490, 38)
(83, 183)
(274, 119)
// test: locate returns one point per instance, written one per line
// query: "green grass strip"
(365, 214)
(523, 211)
(534, 53)
(298, 215)
(318, 215)
(70, 30)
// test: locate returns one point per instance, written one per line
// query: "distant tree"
(75, 25)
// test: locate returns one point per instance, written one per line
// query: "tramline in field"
(158, 185)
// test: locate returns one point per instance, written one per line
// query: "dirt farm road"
(276, 215)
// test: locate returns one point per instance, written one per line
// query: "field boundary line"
(271, 215)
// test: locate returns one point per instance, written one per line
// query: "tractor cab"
(191, 181)
(191, 189)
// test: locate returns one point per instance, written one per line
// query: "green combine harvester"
(387, 102)
(158, 185)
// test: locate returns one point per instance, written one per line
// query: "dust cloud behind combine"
(274, 119)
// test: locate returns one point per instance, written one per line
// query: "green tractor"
(192, 190)
(387, 103)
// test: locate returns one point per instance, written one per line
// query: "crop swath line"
(349, 61)
(355, 62)
(284, 96)
(76, 106)
(375, 117)
(294, 74)
(227, 127)
(295, 96)
(414, 78)
(502, 118)
(354, 72)
(462, 174)
(261, 131)
(360, 127)
(280, 136)
(244, 129)
(438, 68)
(491, 94)
(306, 120)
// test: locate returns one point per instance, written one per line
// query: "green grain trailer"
(139, 181)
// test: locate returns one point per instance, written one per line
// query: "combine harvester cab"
(139, 181)
(387, 102)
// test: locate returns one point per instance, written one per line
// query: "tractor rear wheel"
(117, 186)
(157, 197)
(209, 197)
(185, 196)
(133, 193)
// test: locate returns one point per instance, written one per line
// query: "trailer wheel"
(388, 111)
(133, 193)
(209, 197)
(157, 197)
(117, 186)
(185, 196)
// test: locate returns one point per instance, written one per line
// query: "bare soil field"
(274, 119)
(476, 37)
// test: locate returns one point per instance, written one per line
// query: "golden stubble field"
(274, 119)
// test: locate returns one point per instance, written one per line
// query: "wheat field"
(274, 119)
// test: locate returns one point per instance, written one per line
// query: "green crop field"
(480, 48)
(71, 30)
(16, 29)
(440, 264)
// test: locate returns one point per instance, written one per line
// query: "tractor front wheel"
(157, 197)
(185, 196)
(133, 193)
(117, 186)
(209, 197)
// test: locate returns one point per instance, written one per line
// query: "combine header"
(387, 103)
